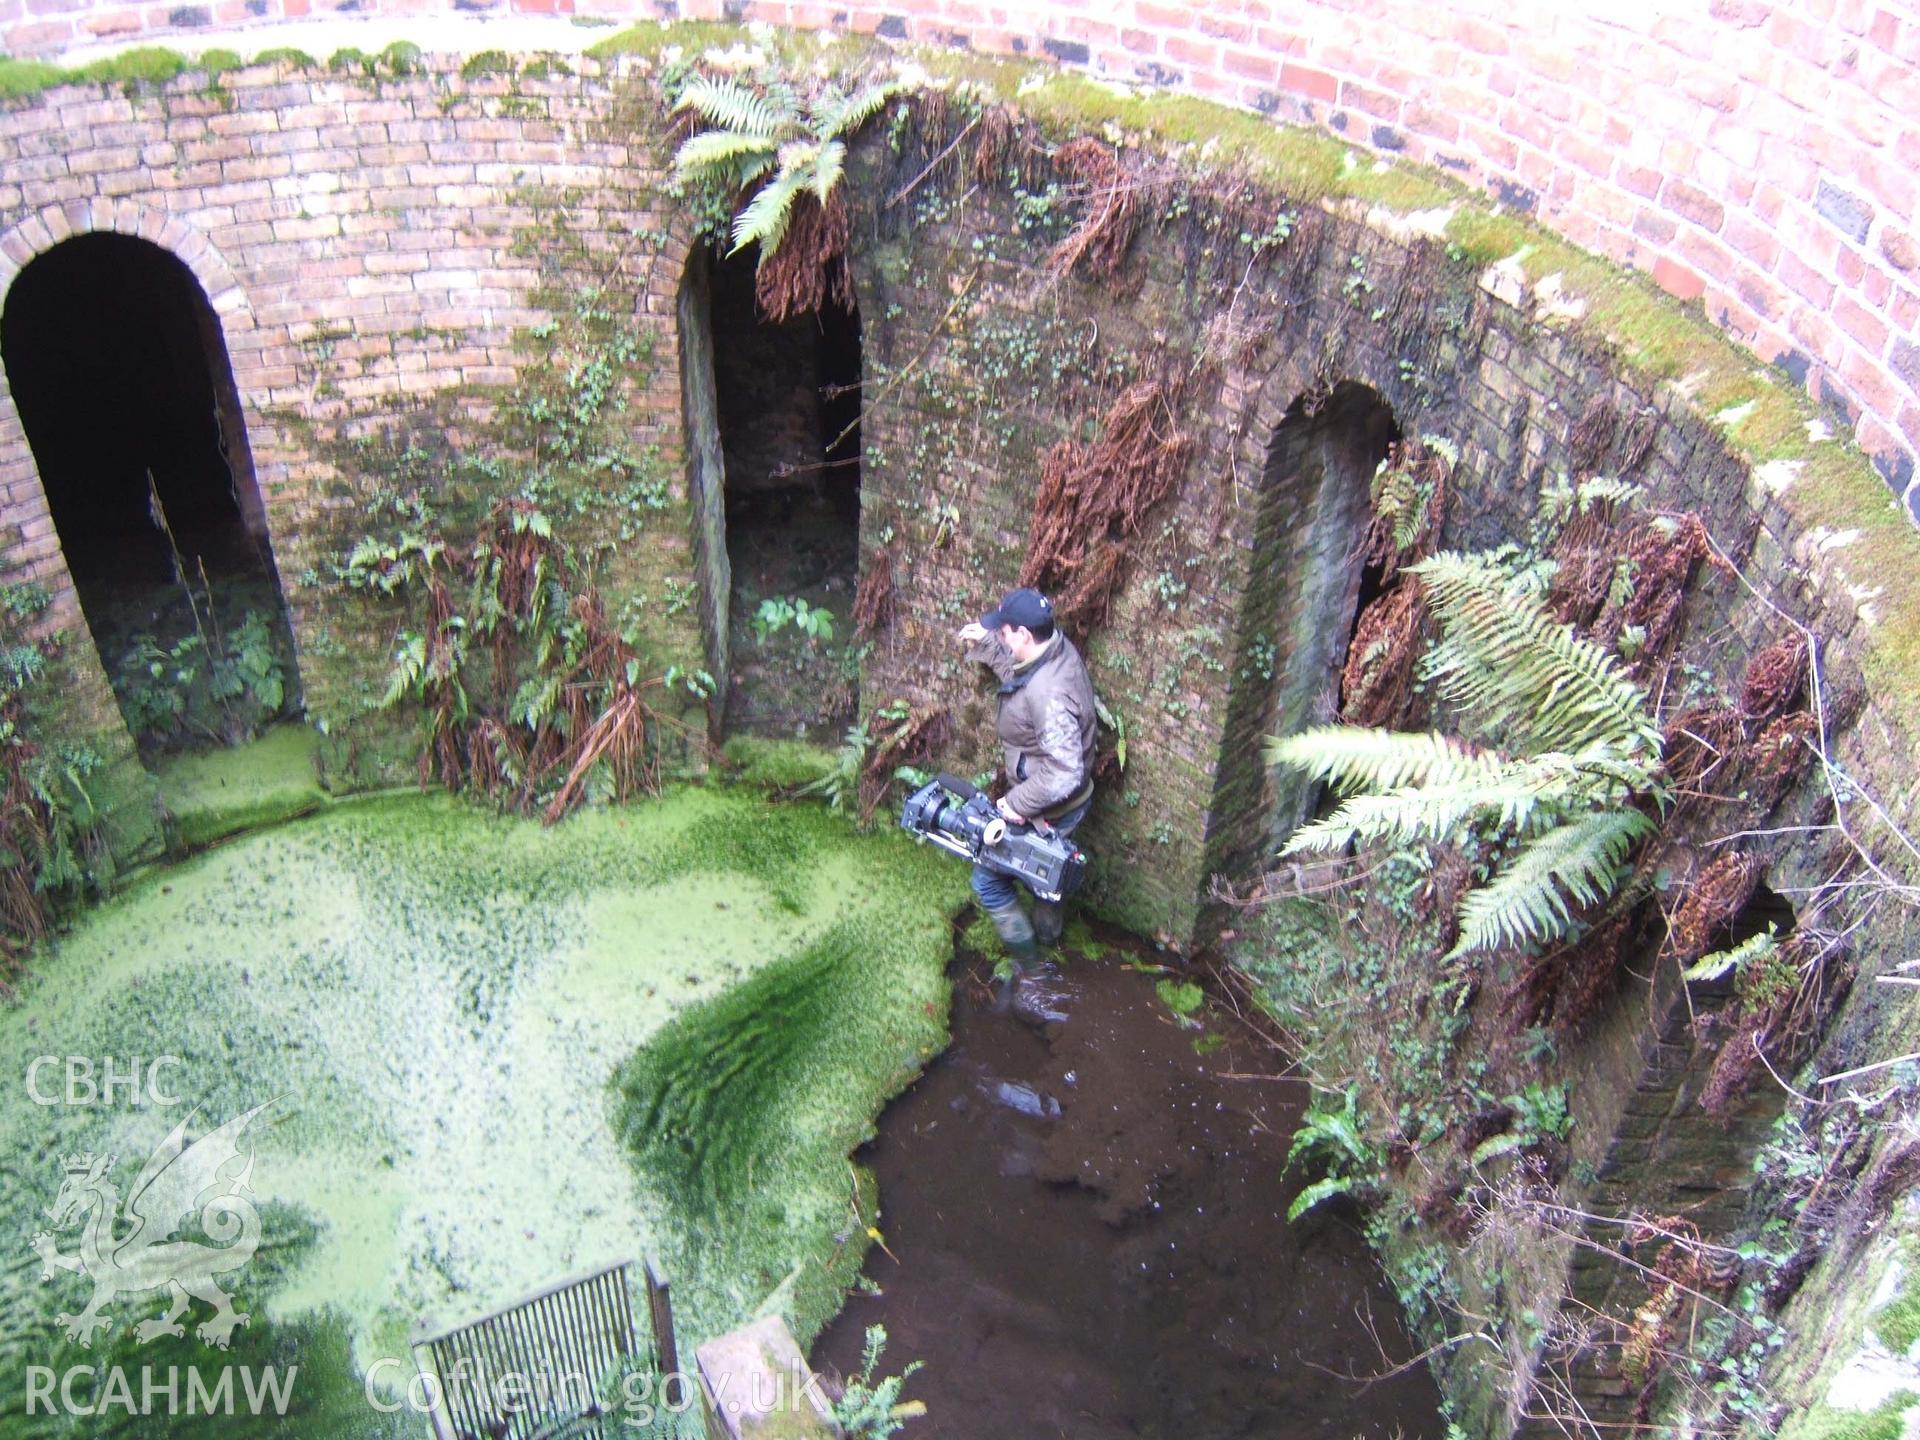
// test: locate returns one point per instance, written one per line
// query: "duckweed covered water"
(436, 999)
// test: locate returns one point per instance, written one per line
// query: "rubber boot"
(1049, 921)
(1016, 938)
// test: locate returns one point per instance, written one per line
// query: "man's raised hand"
(972, 633)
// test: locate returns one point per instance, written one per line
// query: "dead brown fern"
(1780, 754)
(1662, 556)
(996, 131)
(1099, 243)
(913, 739)
(1376, 684)
(1713, 897)
(1093, 499)
(1775, 678)
(873, 600)
(1704, 743)
(811, 264)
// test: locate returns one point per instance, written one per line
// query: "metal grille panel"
(529, 1371)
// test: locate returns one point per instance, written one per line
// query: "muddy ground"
(1086, 1220)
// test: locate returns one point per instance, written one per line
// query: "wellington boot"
(1049, 921)
(1010, 923)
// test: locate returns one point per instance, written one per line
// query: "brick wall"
(367, 249)
(361, 242)
(1764, 158)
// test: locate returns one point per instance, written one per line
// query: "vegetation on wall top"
(773, 161)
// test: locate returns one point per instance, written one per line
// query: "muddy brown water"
(1088, 1236)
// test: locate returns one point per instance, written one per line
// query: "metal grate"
(530, 1370)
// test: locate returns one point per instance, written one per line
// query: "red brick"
(1677, 280)
(1804, 281)
(1308, 81)
(1594, 159)
(1640, 180)
(1751, 239)
(1479, 35)
(1192, 52)
(1251, 65)
(1693, 204)
(1706, 255)
(1869, 381)
(1859, 322)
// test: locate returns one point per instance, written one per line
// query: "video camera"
(956, 816)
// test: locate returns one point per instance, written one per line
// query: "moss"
(147, 66)
(215, 63)
(143, 65)
(350, 58)
(402, 57)
(1897, 1323)
(776, 764)
(287, 55)
(216, 793)
(21, 78)
(439, 998)
(1823, 1423)
(487, 62)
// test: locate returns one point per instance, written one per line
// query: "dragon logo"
(136, 1252)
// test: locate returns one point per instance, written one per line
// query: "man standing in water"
(1047, 725)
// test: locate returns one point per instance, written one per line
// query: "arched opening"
(1306, 586)
(120, 373)
(773, 420)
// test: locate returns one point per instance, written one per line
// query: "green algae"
(775, 764)
(437, 1000)
(1888, 1422)
(1897, 1323)
(211, 794)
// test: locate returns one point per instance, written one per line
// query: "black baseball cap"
(1020, 607)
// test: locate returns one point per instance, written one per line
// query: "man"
(1048, 725)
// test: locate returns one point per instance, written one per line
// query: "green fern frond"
(1355, 758)
(1532, 898)
(843, 115)
(1754, 950)
(722, 150)
(764, 221)
(1320, 1190)
(1522, 798)
(828, 166)
(1502, 656)
(733, 106)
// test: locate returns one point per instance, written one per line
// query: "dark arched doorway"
(773, 420)
(119, 369)
(1307, 584)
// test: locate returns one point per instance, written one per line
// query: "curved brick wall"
(1764, 158)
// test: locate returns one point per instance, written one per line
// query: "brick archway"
(39, 557)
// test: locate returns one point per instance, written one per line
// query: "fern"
(1755, 950)
(1532, 898)
(735, 107)
(725, 148)
(1502, 657)
(1582, 753)
(1355, 758)
(848, 115)
(1320, 1190)
(766, 137)
(764, 221)
(1431, 812)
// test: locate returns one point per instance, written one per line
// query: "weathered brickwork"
(380, 253)
(371, 252)
(1762, 157)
